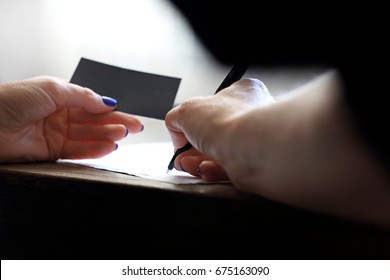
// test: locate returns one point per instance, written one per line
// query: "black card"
(137, 93)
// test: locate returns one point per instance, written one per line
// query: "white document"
(147, 160)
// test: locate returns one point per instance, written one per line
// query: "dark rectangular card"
(138, 93)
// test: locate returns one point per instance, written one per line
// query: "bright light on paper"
(147, 160)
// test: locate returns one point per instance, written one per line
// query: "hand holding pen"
(234, 75)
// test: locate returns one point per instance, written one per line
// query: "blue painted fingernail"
(116, 146)
(127, 131)
(142, 127)
(109, 101)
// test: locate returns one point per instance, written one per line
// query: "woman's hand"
(302, 150)
(205, 123)
(45, 119)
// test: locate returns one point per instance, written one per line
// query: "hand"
(45, 119)
(205, 122)
(302, 150)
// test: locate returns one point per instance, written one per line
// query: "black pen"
(234, 75)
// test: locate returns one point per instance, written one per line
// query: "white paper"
(147, 160)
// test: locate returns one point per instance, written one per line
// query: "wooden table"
(65, 211)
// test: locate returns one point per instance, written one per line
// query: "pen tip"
(167, 171)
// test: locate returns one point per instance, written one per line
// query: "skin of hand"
(45, 119)
(302, 150)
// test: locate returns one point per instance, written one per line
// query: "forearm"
(304, 151)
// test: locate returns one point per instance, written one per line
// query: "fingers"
(189, 161)
(65, 94)
(202, 167)
(79, 116)
(49, 94)
(199, 165)
(198, 119)
(87, 132)
(97, 139)
(74, 149)
(89, 140)
(178, 139)
(175, 118)
(204, 121)
(211, 171)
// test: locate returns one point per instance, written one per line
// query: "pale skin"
(301, 150)
(46, 119)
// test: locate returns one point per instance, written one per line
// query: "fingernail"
(127, 132)
(116, 146)
(142, 127)
(109, 101)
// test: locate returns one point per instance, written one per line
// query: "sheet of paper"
(137, 93)
(147, 160)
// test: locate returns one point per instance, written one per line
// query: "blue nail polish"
(109, 101)
(142, 127)
(127, 132)
(116, 146)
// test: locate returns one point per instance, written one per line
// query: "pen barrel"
(233, 76)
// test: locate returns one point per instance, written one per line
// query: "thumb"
(65, 94)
